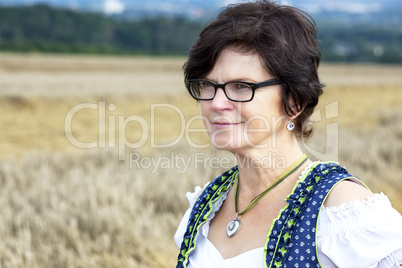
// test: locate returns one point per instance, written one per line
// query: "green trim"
(209, 205)
(282, 210)
(221, 187)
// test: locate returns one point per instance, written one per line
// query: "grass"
(62, 206)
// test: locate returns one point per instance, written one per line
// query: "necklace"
(233, 226)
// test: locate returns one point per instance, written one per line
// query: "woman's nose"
(220, 101)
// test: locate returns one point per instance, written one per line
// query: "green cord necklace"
(234, 225)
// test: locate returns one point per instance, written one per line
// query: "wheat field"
(112, 204)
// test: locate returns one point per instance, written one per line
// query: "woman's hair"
(286, 40)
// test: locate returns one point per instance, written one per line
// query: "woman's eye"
(242, 87)
(206, 85)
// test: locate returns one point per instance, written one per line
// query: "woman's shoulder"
(347, 191)
(347, 188)
(360, 233)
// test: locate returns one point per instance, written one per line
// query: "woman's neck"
(260, 168)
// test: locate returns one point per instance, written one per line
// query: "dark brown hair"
(286, 40)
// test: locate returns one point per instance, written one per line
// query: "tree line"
(41, 28)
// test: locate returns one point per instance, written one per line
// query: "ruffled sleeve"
(360, 234)
(191, 197)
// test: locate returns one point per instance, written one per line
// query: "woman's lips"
(218, 124)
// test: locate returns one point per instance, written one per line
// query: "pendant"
(233, 227)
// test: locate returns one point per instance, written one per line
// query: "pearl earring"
(290, 126)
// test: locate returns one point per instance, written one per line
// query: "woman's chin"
(234, 144)
(226, 144)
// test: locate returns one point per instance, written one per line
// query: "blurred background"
(351, 31)
(96, 147)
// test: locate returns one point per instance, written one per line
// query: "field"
(93, 153)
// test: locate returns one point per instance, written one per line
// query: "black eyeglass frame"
(254, 87)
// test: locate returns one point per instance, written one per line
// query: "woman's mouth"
(224, 124)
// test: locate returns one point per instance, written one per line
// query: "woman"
(254, 71)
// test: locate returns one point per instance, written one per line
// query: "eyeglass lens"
(235, 91)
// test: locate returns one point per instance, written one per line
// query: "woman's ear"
(296, 110)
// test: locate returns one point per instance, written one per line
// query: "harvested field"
(67, 197)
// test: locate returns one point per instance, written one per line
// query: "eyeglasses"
(235, 91)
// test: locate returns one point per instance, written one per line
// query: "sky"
(113, 6)
(118, 6)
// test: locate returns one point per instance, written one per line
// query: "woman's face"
(236, 126)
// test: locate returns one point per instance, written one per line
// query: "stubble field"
(97, 153)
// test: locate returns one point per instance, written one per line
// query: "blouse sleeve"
(364, 233)
(191, 197)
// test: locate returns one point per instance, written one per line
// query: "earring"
(290, 126)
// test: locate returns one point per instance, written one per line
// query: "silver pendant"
(233, 227)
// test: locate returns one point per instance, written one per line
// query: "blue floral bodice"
(291, 241)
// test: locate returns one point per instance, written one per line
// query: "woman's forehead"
(233, 65)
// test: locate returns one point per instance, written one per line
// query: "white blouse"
(359, 234)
